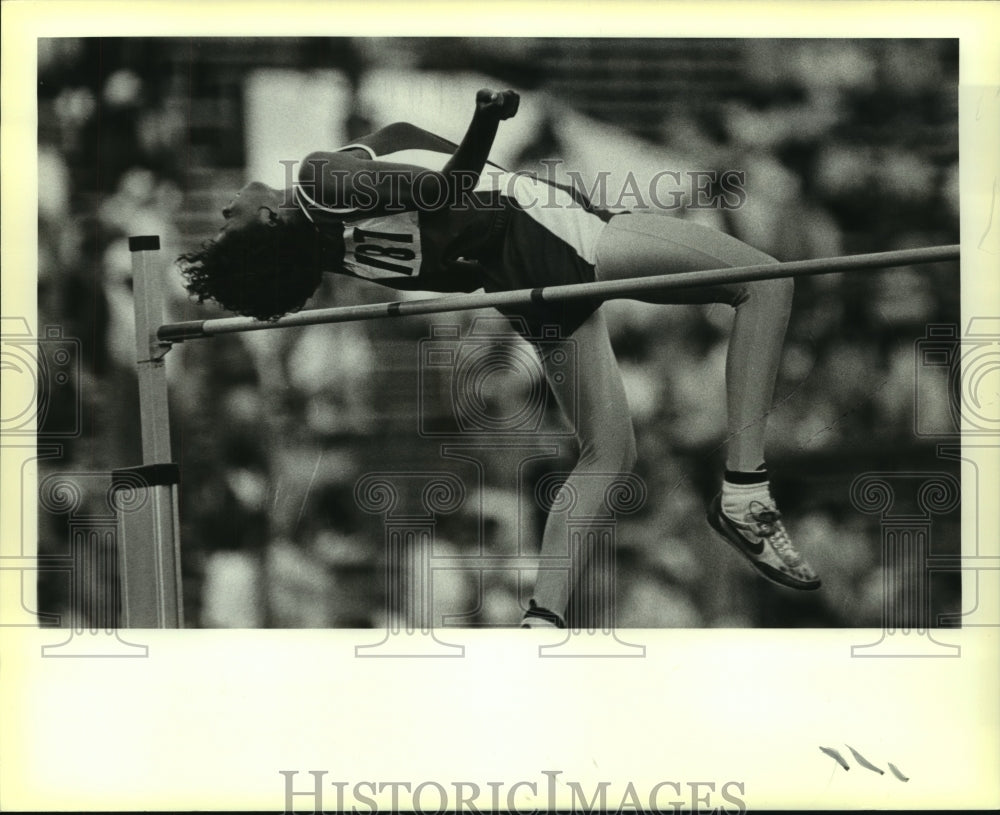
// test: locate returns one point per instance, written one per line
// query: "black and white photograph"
(568, 389)
(738, 412)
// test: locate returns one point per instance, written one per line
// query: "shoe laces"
(767, 522)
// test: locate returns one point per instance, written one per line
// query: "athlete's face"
(255, 203)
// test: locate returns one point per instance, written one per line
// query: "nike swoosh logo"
(755, 547)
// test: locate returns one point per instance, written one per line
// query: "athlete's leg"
(606, 447)
(643, 245)
(744, 513)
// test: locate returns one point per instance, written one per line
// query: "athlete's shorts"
(545, 246)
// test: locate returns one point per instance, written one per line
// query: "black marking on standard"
(144, 243)
(151, 475)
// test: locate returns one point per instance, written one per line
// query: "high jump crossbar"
(600, 290)
(148, 523)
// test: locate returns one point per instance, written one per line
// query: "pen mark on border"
(836, 756)
(864, 762)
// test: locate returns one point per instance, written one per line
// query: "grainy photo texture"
(673, 337)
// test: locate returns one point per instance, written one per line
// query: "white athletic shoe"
(761, 538)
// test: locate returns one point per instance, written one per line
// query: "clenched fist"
(499, 104)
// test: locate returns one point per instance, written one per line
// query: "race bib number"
(380, 248)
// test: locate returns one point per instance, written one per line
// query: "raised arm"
(344, 183)
(492, 107)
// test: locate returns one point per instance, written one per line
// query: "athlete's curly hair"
(264, 271)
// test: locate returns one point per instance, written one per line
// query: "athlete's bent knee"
(613, 452)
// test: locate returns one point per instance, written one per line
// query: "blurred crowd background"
(848, 146)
